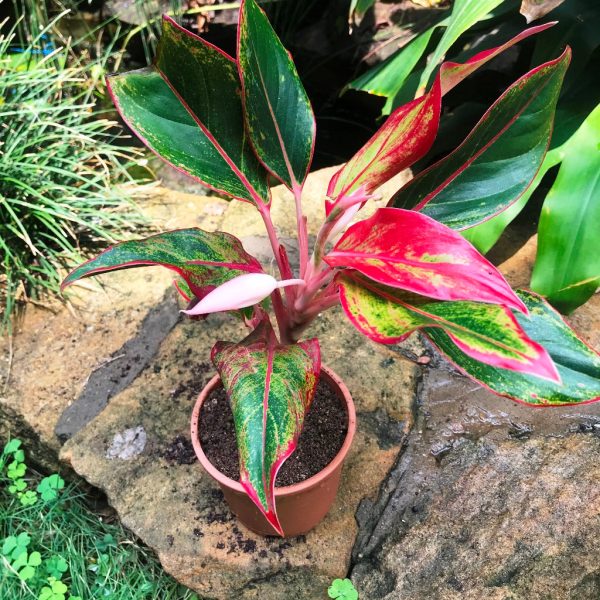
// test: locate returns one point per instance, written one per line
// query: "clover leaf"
(50, 486)
(18, 486)
(25, 565)
(16, 470)
(56, 566)
(15, 546)
(342, 589)
(28, 498)
(56, 590)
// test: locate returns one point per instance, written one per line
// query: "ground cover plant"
(61, 176)
(234, 123)
(53, 547)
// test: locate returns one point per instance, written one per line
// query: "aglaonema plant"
(231, 123)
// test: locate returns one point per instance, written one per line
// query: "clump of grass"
(67, 541)
(64, 184)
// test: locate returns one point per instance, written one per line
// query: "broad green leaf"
(278, 113)
(465, 13)
(499, 159)
(187, 109)
(578, 365)
(486, 332)
(203, 259)
(484, 235)
(567, 268)
(408, 250)
(270, 388)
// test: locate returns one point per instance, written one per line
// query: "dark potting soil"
(323, 434)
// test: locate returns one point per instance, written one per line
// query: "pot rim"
(288, 490)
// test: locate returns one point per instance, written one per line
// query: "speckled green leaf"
(280, 119)
(498, 160)
(578, 365)
(567, 267)
(485, 332)
(203, 259)
(270, 388)
(187, 109)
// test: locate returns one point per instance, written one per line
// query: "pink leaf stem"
(302, 230)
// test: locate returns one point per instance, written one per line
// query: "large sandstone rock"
(176, 508)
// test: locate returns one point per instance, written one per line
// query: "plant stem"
(279, 308)
(302, 230)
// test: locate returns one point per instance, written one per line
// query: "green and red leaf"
(277, 110)
(187, 109)
(486, 332)
(204, 260)
(408, 250)
(452, 73)
(578, 365)
(270, 388)
(498, 160)
(403, 139)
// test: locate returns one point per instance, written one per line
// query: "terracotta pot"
(300, 506)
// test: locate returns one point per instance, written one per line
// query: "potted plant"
(235, 123)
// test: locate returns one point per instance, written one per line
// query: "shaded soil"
(322, 436)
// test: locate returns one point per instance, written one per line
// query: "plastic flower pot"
(301, 506)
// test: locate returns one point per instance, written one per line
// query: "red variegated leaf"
(488, 333)
(452, 73)
(203, 259)
(405, 137)
(498, 160)
(270, 389)
(578, 364)
(408, 250)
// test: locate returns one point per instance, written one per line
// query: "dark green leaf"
(278, 113)
(187, 109)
